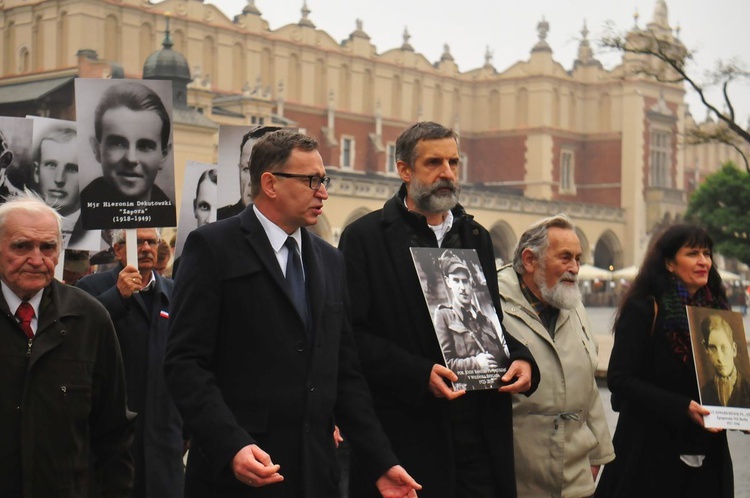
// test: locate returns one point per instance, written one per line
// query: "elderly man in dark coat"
(138, 302)
(64, 425)
(456, 444)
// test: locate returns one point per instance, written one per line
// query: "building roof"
(31, 90)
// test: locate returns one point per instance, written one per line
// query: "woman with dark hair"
(663, 450)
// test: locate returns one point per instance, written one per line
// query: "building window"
(347, 152)
(390, 160)
(463, 167)
(660, 156)
(567, 172)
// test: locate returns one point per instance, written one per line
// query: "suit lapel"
(261, 246)
(314, 278)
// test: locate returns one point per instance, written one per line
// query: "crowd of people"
(270, 345)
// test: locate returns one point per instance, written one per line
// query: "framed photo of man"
(722, 366)
(198, 200)
(126, 161)
(471, 337)
(55, 175)
(15, 155)
(235, 144)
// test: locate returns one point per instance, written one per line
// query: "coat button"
(300, 346)
(63, 332)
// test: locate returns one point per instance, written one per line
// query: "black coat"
(64, 424)
(242, 371)
(398, 348)
(142, 334)
(652, 389)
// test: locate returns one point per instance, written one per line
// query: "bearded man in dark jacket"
(456, 444)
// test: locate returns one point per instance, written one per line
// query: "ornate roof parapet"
(250, 8)
(585, 52)
(406, 46)
(542, 30)
(446, 54)
(359, 32)
(304, 21)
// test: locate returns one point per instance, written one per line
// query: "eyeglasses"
(151, 242)
(315, 180)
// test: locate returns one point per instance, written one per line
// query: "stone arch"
(416, 100)
(368, 92)
(38, 58)
(146, 40)
(321, 82)
(63, 33)
(605, 112)
(354, 216)
(522, 107)
(239, 66)
(437, 104)
(24, 59)
(608, 251)
(112, 38)
(322, 229)
(266, 67)
(178, 38)
(586, 257)
(345, 84)
(504, 242)
(210, 67)
(9, 58)
(494, 110)
(396, 99)
(294, 78)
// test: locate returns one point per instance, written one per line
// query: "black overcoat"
(398, 347)
(652, 388)
(142, 334)
(64, 424)
(242, 368)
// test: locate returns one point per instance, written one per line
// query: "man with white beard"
(560, 433)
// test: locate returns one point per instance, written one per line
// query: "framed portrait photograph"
(468, 330)
(126, 161)
(721, 365)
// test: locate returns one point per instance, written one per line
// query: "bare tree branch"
(648, 43)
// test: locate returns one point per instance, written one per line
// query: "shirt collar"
(14, 301)
(277, 236)
(441, 229)
(151, 283)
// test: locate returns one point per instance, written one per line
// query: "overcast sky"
(717, 29)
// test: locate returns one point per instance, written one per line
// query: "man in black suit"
(246, 147)
(260, 356)
(137, 298)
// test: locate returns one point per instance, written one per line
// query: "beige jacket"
(560, 431)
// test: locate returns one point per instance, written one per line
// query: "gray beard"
(428, 200)
(561, 296)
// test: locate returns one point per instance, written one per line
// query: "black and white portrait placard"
(125, 151)
(722, 366)
(56, 178)
(199, 200)
(16, 168)
(471, 337)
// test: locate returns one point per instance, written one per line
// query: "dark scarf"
(675, 324)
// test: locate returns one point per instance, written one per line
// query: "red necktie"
(25, 313)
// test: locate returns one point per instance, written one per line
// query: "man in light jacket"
(560, 433)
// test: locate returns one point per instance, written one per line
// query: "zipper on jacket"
(28, 350)
(64, 390)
